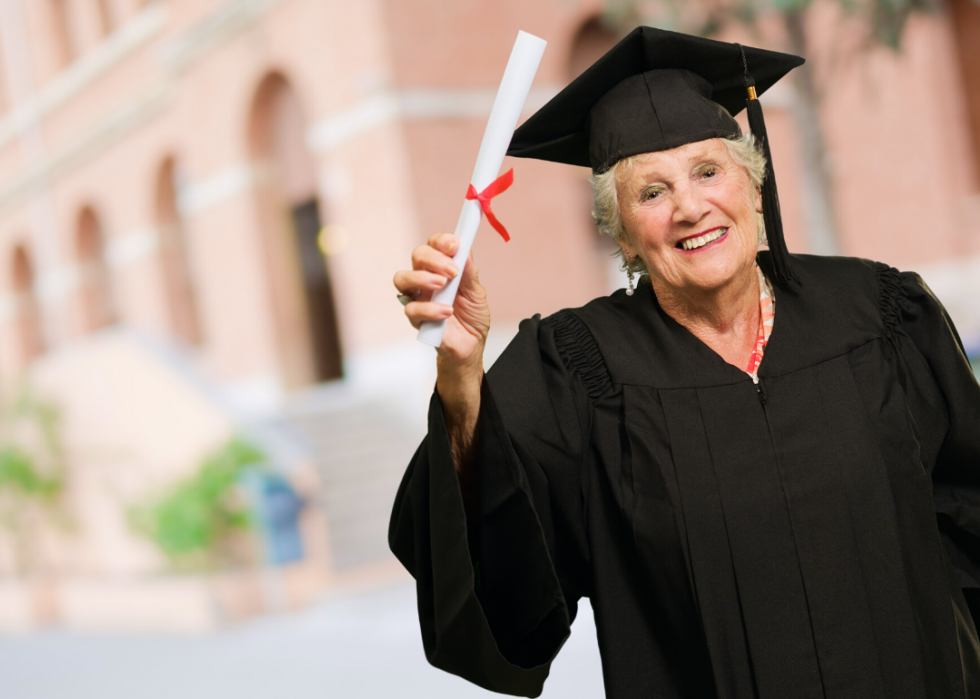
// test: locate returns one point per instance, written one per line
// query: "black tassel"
(781, 264)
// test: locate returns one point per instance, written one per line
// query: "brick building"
(202, 204)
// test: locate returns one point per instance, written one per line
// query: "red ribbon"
(493, 189)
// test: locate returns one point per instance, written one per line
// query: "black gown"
(815, 536)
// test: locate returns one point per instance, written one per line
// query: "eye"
(651, 194)
(708, 172)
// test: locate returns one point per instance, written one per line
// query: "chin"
(715, 275)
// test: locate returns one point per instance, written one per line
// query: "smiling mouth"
(699, 241)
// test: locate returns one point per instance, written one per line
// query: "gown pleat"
(877, 543)
(708, 545)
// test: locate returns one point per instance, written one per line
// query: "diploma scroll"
(507, 106)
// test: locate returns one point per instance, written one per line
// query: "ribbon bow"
(493, 189)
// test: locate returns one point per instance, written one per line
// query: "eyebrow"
(699, 158)
(705, 154)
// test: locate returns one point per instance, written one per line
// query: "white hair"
(743, 150)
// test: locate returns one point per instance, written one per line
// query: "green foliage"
(789, 5)
(193, 523)
(31, 459)
(884, 20)
(19, 474)
(31, 474)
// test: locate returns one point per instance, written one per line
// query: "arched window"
(106, 17)
(966, 28)
(299, 272)
(95, 305)
(592, 40)
(177, 271)
(5, 97)
(62, 31)
(28, 320)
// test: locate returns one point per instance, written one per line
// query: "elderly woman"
(780, 516)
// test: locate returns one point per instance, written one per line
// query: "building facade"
(202, 204)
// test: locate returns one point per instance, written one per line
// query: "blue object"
(971, 344)
(277, 509)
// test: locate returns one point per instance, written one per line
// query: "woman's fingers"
(445, 243)
(411, 282)
(419, 312)
(432, 268)
(429, 259)
(436, 255)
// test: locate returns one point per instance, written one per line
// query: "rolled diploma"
(507, 106)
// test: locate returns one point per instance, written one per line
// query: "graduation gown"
(812, 536)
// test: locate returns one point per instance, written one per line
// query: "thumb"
(471, 273)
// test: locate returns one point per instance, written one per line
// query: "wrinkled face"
(690, 213)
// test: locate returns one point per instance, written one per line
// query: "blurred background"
(209, 392)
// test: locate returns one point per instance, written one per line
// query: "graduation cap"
(656, 90)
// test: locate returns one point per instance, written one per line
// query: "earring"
(629, 274)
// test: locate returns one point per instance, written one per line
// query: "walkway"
(362, 647)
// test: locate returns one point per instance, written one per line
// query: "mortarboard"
(656, 90)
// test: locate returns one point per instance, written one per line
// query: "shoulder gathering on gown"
(812, 535)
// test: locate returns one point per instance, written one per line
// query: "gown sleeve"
(947, 411)
(497, 590)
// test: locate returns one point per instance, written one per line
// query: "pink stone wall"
(392, 98)
(387, 178)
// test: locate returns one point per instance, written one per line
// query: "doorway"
(292, 217)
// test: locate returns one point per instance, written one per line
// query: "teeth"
(702, 240)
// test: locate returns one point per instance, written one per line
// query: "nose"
(690, 206)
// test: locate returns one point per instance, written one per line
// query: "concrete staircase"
(361, 433)
(361, 447)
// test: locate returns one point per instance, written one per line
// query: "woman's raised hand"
(468, 318)
(459, 360)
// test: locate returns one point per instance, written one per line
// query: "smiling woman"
(757, 508)
(690, 214)
(743, 150)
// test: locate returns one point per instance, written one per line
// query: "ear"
(758, 201)
(627, 249)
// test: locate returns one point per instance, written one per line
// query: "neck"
(726, 319)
